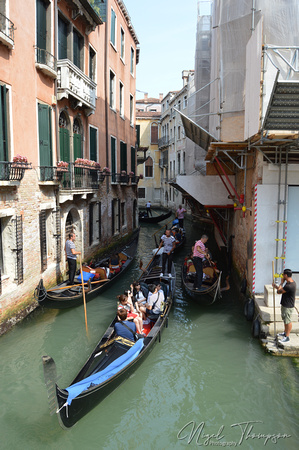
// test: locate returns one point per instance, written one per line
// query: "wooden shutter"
(138, 135)
(112, 218)
(123, 156)
(3, 125)
(41, 24)
(113, 157)
(64, 144)
(77, 48)
(133, 160)
(77, 140)
(62, 38)
(100, 220)
(90, 223)
(93, 143)
(44, 128)
(112, 31)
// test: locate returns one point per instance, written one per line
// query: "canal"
(208, 383)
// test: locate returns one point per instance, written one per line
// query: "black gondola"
(62, 296)
(210, 290)
(112, 361)
(143, 217)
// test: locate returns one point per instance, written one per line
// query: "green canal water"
(207, 383)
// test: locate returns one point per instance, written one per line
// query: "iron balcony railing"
(119, 178)
(42, 56)
(74, 177)
(163, 141)
(7, 27)
(12, 171)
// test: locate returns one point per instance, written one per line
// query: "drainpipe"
(285, 205)
(252, 16)
(106, 95)
(55, 91)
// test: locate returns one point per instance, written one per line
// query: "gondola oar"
(140, 265)
(84, 301)
(273, 280)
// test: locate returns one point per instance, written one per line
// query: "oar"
(76, 285)
(274, 299)
(84, 301)
(144, 270)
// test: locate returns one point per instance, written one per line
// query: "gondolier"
(199, 253)
(71, 254)
(148, 208)
(168, 242)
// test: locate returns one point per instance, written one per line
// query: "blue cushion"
(86, 276)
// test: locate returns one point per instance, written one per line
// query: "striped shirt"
(202, 247)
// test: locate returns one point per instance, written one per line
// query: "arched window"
(149, 167)
(154, 133)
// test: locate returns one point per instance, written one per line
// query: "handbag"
(136, 335)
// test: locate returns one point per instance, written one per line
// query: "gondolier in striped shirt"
(71, 254)
(199, 253)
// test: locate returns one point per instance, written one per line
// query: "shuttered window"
(78, 43)
(93, 141)
(44, 128)
(123, 156)
(133, 160)
(113, 157)
(113, 28)
(43, 240)
(132, 65)
(154, 133)
(149, 167)
(41, 24)
(62, 38)
(3, 124)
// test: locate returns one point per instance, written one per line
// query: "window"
(93, 143)
(78, 44)
(185, 102)
(44, 135)
(92, 64)
(131, 109)
(121, 99)
(122, 43)
(123, 216)
(115, 216)
(113, 28)
(149, 167)
(123, 156)
(112, 90)
(179, 132)
(113, 157)
(141, 192)
(43, 43)
(133, 160)
(138, 135)
(3, 124)
(154, 133)
(179, 105)
(132, 65)
(179, 163)
(62, 38)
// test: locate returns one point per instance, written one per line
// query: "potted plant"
(19, 161)
(106, 170)
(62, 166)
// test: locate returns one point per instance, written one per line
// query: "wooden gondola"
(62, 296)
(112, 361)
(143, 217)
(210, 290)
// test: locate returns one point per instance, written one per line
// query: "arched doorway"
(73, 225)
(64, 137)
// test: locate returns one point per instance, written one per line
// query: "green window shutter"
(77, 48)
(112, 30)
(77, 139)
(93, 144)
(64, 144)
(133, 160)
(123, 156)
(62, 39)
(112, 217)
(41, 24)
(3, 125)
(113, 155)
(44, 128)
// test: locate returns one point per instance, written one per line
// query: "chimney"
(145, 96)
(160, 97)
(185, 77)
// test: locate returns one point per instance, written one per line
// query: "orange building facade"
(67, 136)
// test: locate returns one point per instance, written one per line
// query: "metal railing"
(119, 178)
(42, 56)
(7, 27)
(74, 177)
(10, 171)
(163, 141)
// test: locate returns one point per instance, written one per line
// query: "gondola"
(210, 290)
(112, 361)
(178, 246)
(62, 296)
(143, 217)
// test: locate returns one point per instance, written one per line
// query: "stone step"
(267, 313)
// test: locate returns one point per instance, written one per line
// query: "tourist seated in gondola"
(140, 293)
(155, 302)
(125, 301)
(115, 264)
(121, 327)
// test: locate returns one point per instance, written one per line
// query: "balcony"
(73, 82)
(163, 162)
(119, 178)
(46, 62)
(163, 141)
(11, 171)
(75, 177)
(6, 32)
